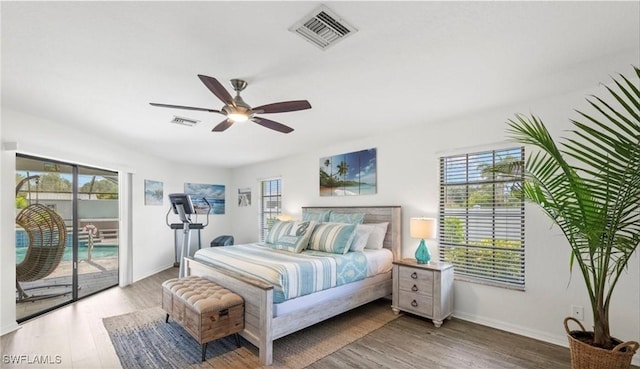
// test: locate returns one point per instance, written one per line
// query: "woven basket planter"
(585, 356)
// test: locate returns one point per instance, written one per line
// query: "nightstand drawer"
(416, 280)
(417, 303)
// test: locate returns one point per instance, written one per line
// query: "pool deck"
(93, 276)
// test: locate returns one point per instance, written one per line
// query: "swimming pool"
(98, 252)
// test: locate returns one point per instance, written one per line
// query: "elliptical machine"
(182, 205)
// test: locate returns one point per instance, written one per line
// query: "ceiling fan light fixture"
(237, 113)
(238, 117)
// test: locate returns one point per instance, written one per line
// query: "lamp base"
(423, 256)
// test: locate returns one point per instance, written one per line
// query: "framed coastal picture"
(349, 174)
(152, 192)
(214, 194)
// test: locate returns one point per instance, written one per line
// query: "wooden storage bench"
(203, 308)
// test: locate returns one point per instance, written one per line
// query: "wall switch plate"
(577, 312)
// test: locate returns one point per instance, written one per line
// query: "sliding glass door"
(66, 233)
(98, 225)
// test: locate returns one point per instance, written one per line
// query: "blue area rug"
(143, 340)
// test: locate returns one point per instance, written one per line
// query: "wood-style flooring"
(75, 336)
(413, 342)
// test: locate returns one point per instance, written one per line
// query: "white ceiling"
(96, 66)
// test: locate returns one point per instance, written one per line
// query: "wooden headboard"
(373, 214)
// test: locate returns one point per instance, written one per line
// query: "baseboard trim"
(538, 335)
(153, 272)
(12, 327)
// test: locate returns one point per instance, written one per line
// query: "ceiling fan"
(237, 110)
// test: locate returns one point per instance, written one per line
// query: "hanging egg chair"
(47, 234)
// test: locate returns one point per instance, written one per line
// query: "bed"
(266, 321)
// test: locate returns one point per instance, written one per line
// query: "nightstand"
(423, 289)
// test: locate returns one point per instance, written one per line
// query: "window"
(481, 218)
(270, 204)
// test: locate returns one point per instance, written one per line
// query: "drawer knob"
(414, 275)
(414, 288)
(414, 303)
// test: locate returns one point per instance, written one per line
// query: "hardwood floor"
(410, 342)
(74, 337)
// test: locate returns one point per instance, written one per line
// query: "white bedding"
(378, 261)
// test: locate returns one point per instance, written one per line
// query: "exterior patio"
(93, 276)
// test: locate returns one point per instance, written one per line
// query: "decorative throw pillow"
(318, 217)
(297, 238)
(355, 218)
(362, 233)
(278, 229)
(376, 238)
(335, 238)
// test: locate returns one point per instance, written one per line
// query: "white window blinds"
(481, 218)
(270, 204)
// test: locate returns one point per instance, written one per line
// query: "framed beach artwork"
(349, 174)
(214, 194)
(244, 197)
(152, 192)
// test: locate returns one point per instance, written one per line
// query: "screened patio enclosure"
(67, 233)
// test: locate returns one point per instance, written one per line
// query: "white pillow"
(376, 238)
(363, 231)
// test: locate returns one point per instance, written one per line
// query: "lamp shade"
(284, 217)
(423, 228)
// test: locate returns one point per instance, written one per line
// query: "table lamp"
(422, 228)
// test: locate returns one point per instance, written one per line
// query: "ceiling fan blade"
(222, 125)
(214, 86)
(281, 107)
(186, 107)
(272, 125)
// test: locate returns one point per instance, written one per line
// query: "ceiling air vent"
(184, 121)
(323, 28)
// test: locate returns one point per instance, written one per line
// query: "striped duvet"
(291, 274)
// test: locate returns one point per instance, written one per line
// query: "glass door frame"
(75, 231)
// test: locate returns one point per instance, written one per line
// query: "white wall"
(151, 246)
(408, 176)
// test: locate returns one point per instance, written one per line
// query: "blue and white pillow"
(335, 238)
(297, 238)
(318, 217)
(278, 229)
(355, 218)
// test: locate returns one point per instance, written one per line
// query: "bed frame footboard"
(258, 304)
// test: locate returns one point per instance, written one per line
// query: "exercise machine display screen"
(182, 205)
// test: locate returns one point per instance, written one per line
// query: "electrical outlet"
(577, 312)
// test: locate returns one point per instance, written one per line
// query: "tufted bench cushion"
(203, 308)
(202, 294)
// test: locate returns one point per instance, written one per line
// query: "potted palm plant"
(589, 185)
